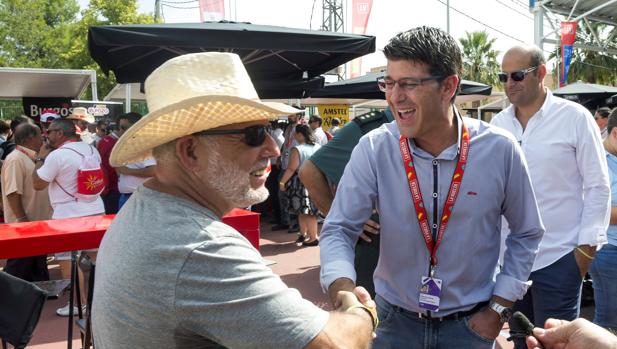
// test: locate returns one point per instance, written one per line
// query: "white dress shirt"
(320, 136)
(568, 170)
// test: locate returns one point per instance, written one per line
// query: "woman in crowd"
(603, 269)
(299, 202)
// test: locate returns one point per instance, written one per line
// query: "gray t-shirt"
(170, 274)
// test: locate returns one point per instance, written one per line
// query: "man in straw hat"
(82, 118)
(170, 274)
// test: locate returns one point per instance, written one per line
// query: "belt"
(454, 316)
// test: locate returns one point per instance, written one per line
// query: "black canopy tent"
(282, 62)
(365, 87)
(589, 95)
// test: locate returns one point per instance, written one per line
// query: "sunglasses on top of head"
(518, 75)
(254, 136)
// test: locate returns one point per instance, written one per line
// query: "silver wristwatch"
(504, 312)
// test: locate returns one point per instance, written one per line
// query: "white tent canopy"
(37, 82)
(118, 93)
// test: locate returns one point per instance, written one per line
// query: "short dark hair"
(307, 133)
(25, 131)
(132, 117)
(4, 127)
(66, 126)
(19, 120)
(603, 112)
(317, 118)
(336, 122)
(431, 46)
(612, 121)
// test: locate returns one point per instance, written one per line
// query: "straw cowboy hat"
(192, 93)
(81, 113)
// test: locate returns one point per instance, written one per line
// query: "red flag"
(211, 10)
(568, 35)
(361, 11)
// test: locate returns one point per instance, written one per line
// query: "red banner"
(361, 11)
(568, 35)
(211, 10)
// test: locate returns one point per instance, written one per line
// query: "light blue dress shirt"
(496, 182)
(612, 175)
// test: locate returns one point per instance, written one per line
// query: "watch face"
(506, 314)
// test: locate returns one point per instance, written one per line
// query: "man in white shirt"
(56, 166)
(315, 123)
(570, 179)
(132, 175)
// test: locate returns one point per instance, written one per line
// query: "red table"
(72, 234)
(83, 233)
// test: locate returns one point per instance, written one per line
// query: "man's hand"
(578, 334)
(583, 261)
(44, 150)
(486, 323)
(371, 227)
(341, 284)
(358, 296)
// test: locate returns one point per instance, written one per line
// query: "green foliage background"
(54, 34)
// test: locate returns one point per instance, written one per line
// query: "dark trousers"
(365, 262)
(555, 292)
(110, 200)
(28, 268)
(272, 184)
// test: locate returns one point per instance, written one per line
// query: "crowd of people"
(437, 228)
(43, 177)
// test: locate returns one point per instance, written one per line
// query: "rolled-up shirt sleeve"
(526, 229)
(352, 206)
(591, 162)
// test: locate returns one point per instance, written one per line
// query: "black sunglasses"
(518, 75)
(254, 136)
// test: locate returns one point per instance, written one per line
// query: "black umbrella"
(589, 95)
(273, 56)
(365, 87)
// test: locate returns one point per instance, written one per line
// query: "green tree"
(54, 33)
(101, 12)
(591, 66)
(479, 58)
(35, 32)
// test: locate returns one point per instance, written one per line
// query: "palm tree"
(479, 59)
(592, 66)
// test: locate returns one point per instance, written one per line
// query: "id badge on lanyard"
(430, 287)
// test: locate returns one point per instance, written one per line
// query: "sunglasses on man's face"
(518, 75)
(254, 136)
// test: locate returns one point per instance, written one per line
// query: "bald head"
(533, 54)
(29, 136)
(525, 69)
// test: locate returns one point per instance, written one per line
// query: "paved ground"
(297, 266)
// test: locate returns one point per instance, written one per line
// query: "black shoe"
(280, 227)
(311, 243)
(301, 239)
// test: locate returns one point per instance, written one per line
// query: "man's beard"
(232, 183)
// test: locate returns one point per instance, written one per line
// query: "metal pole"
(93, 86)
(448, 15)
(127, 98)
